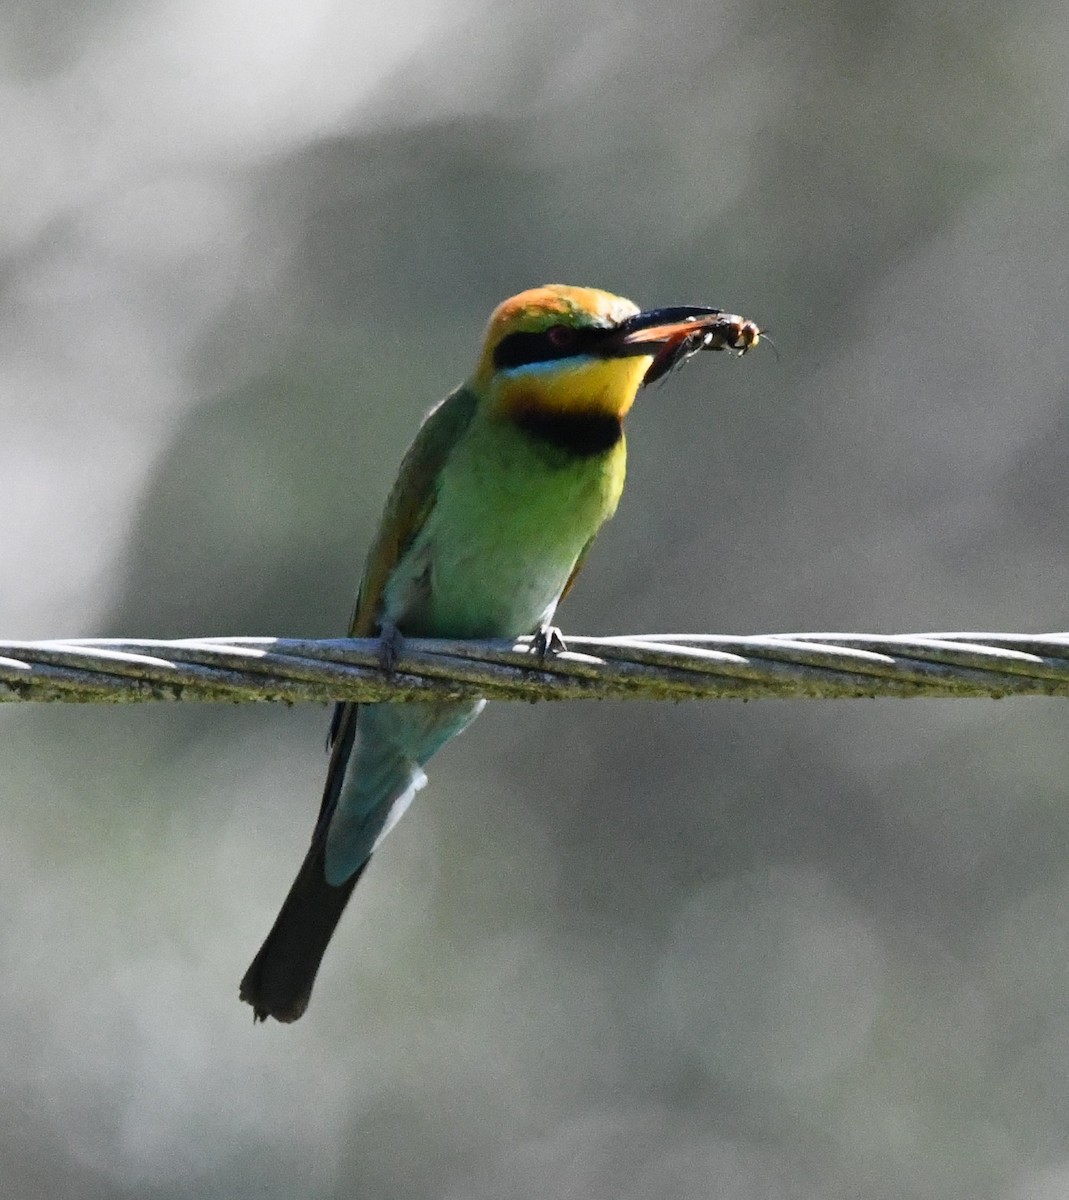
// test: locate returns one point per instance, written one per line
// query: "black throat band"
(579, 434)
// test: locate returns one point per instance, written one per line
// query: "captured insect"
(690, 330)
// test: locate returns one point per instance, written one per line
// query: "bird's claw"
(390, 643)
(548, 640)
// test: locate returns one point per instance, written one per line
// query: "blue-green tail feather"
(376, 769)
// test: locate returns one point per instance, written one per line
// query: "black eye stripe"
(521, 349)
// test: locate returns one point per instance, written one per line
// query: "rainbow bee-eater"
(494, 509)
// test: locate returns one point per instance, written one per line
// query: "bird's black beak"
(672, 335)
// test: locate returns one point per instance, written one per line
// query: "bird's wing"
(409, 504)
(575, 571)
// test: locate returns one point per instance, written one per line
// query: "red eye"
(560, 336)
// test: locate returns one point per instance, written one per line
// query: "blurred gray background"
(776, 951)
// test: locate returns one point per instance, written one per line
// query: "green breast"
(513, 512)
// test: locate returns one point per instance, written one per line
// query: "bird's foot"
(548, 640)
(390, 643)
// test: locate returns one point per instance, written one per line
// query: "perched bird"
(496, 504)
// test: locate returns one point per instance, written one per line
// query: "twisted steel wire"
(651, 667)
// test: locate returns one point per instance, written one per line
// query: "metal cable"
(651, 667)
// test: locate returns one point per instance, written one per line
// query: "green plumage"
(494, 508)
(509, 516)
